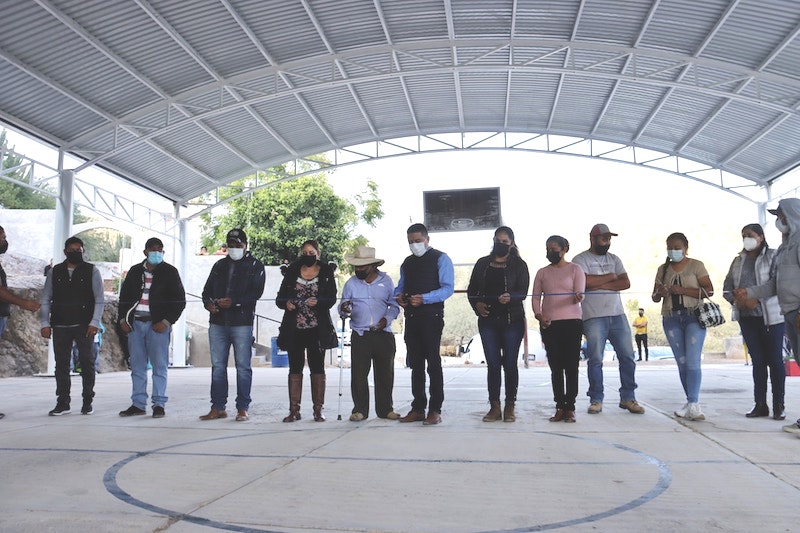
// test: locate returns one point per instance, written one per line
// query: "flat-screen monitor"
(462, 209)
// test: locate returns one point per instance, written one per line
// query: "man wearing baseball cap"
(230, 295)
(604, 319)
(368, 299)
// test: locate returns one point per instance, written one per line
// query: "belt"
(143, 319)
(678, 312)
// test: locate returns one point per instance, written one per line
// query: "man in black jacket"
(150, 301)
(72, 308)
(230, 295)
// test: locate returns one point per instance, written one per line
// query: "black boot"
(760, 409)
(777, 411)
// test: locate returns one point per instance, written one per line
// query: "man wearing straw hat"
(368, 299)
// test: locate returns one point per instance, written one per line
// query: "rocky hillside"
(23, 351)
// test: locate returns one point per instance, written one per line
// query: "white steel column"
(179, 328)
(62, 231)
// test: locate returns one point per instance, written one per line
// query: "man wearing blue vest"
(72, 308)
(426, 281)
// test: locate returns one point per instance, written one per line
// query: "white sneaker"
(793, 428)
(681, 413)
(694, 413)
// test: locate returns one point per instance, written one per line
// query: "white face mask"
(235, 253)
(417, 248)
(750, 243)
(783, 228)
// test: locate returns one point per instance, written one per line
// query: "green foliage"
(280, 217)
(16, 196)
(103, 244)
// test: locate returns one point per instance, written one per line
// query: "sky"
(540, 195)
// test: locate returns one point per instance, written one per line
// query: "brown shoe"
(213, 414)
(413, 416)
(558, 417)
(569, 416)
(241, 416)
(432, 419)
(508, 412)
(494, 413)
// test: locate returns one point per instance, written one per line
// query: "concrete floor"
(614, 471)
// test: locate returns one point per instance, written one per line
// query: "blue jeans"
(686, 337)
(3, 321)
(501, 342)
(616, 330)
(220, 339)
(765, 344)
(145, 345)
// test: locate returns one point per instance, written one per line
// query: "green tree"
(279, 218)
(14, 196)
(103, 244)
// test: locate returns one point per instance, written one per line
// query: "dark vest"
(5, 307)
(73, 298)
(420, 276)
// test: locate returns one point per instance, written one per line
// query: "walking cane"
(341, 353)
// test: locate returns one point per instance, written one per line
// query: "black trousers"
(562, 341)
(62, 348)
(423, 338)
(372, 348)
(642, 339)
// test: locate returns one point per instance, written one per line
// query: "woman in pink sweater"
(557, 292)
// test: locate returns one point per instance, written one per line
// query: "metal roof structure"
(184, 96)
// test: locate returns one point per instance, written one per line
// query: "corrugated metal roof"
(183, 96)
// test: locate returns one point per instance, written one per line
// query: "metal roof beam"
(353, 94)
(395, 62)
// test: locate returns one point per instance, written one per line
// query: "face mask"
(750, 243)
(4, 246)
(74, 258)
(554, 257)
(417, 248)
(676, 256)
(308, 260)
(601, 250)
(235, 253)
(155, 258)
(362, 274)
(783, 228)
(500, 249)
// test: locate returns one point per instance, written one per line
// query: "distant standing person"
(150, 301)
(230, 295)
(640, 334)
(557, 294)
(497, 289)
(679, 286)
(604, 319)
(7, 297)
(306, 294)
(760, 320)
(72, 308)
(426, 280)
(368, 299)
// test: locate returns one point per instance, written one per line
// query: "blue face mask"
(676, 256)
(155, 258)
